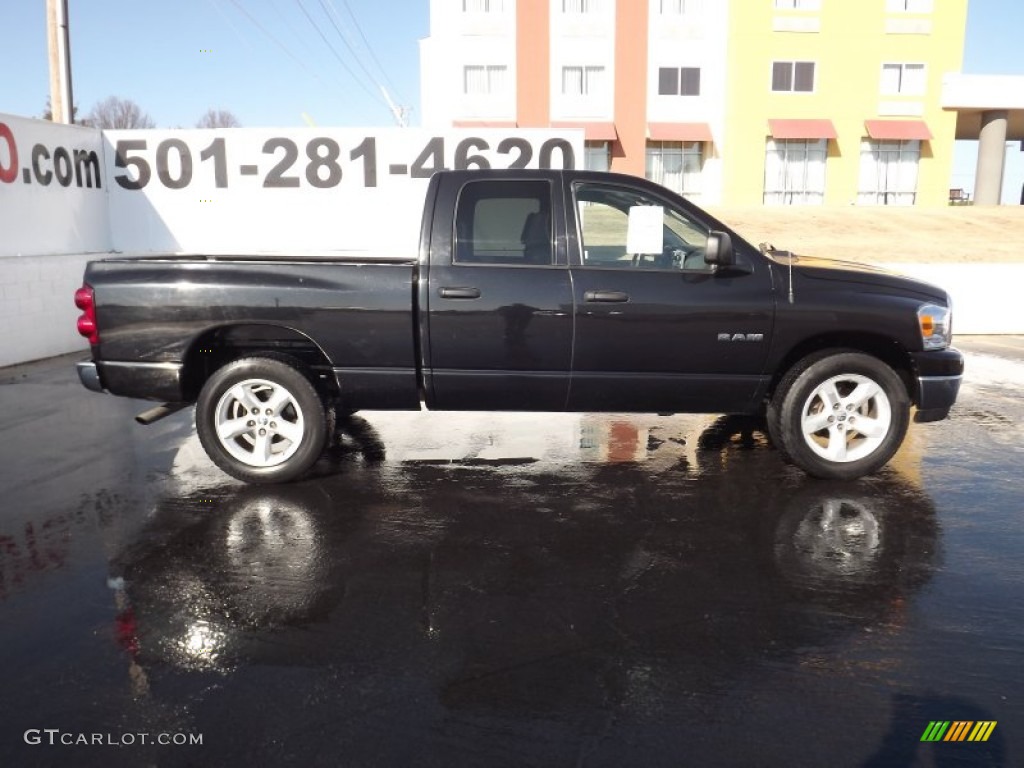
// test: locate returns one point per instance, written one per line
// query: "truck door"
(499, 300)
(658, 329)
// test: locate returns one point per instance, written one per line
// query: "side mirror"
(718, 250)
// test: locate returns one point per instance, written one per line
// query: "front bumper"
(939, 375)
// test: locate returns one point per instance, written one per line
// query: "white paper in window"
(646, 227)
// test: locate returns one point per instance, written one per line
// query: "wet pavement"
(508, 590)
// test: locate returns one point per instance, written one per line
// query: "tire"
(277, 443)
(839, 414)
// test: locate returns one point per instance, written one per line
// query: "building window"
(798, 5)
(908, 6)
(679, 81)
(582, 6)
(676, 165)
(888, 172)
(582, 81)
(793, 76)
(483, 6)
(794, 171)
(903, 79)
(677, 7)
(484, 80)
(597, 156)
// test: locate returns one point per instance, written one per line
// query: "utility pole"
(397, 112)
(61, 108)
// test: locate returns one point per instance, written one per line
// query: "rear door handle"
(459, 293)
(606, 297)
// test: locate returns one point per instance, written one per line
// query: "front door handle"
(459, 293)
(606, 297)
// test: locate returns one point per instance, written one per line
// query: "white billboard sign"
(69, 189)
(298, 191)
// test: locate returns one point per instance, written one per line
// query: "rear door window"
(499, 223)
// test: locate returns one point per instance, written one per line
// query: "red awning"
(592, 131)
(802, 129)
(898, 129)
(679, 132)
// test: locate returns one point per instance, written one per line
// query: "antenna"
(790, 260)
(769, 248)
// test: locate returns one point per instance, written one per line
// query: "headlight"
(936, 326)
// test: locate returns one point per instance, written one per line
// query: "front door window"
(610, 217)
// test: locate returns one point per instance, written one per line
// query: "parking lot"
(508, 589)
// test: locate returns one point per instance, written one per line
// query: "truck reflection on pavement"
(511, 586)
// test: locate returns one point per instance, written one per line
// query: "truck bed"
(159, 310)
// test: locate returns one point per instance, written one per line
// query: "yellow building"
(837, 102)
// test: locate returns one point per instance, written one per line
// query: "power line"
(281, 45)
(366, 44)
(285, 20)
(398, 113)
(334, 51)
(232, 26)
(345, 40)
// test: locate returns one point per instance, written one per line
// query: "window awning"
(483, 123)
(679, 132)
(592, 131)
(898, 129)
(802, 129)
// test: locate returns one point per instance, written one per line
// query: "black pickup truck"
(532, 291)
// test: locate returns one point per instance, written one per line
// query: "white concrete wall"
(985, 296)
(37, 310)
(53, 214)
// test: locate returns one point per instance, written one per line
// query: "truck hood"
(855, 272)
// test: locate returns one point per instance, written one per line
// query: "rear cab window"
(503, 224)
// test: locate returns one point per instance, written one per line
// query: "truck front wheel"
(839, 414)
(260, 420)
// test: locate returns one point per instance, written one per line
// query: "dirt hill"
(888, 235)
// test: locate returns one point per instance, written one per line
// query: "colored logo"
(958, 730)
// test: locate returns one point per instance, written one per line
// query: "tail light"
(85, 300)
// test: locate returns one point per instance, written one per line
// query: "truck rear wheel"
(261, 421)
(839, 414)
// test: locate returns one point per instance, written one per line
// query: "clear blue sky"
(268, 62)
(264, 60)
